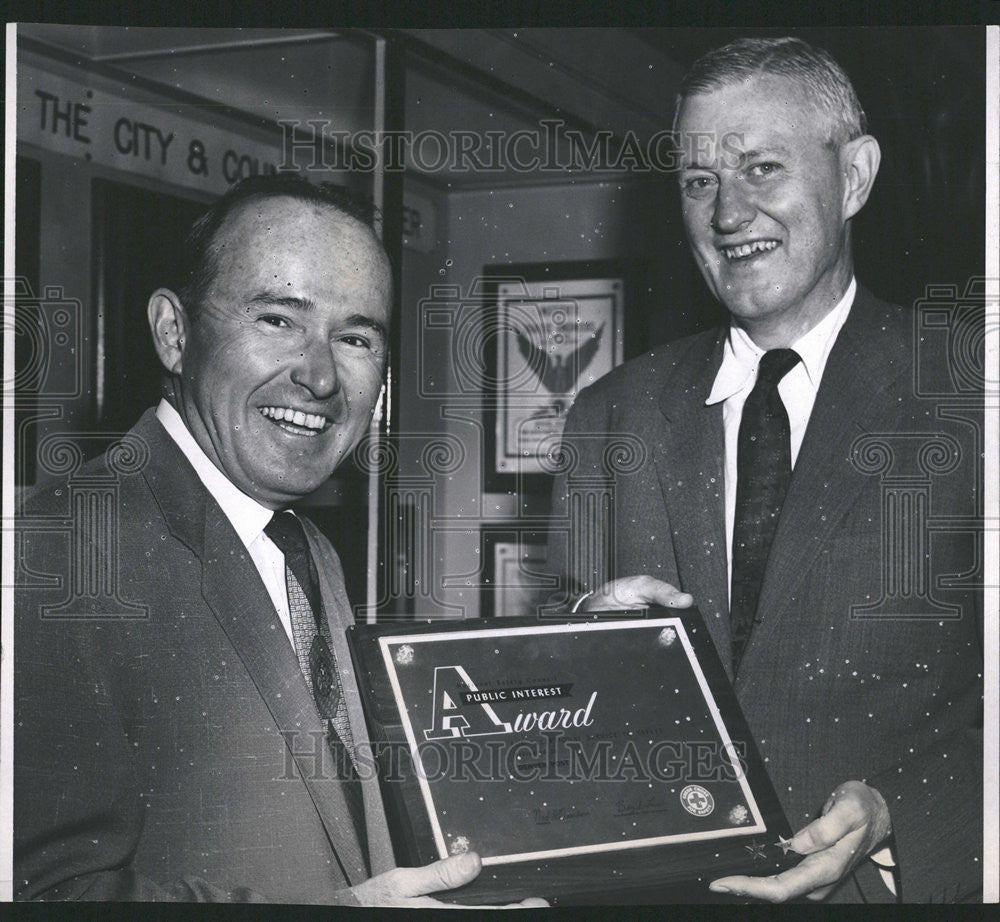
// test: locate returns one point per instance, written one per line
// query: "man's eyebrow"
(763, 152)
(267, 297)
(740, 158)
(363, 320)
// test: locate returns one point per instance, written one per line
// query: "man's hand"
(854, 822)
(635, 592)
(410, 886)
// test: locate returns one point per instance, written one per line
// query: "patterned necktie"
(314, 650)
(763, 470)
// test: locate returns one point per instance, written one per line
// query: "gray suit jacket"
(167, 746)
(867, 661)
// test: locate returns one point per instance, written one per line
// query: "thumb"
(632, 591)
(666, 595)
(446, 874)
(825, 831)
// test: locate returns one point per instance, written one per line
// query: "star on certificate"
(784, 844)
(755, 849)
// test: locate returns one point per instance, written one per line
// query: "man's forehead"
(281, 245)
(736, 122)
(742, 103)
(267, 212)
(283, 225)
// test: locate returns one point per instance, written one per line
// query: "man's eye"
(763, 170)
(273, 320)
(695, 185)
(357, 340)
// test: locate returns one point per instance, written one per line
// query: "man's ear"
(859, 160)
(169, 324)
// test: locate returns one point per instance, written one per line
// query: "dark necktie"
(763, 470)
(314, 650)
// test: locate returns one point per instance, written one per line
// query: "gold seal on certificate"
(580, 759)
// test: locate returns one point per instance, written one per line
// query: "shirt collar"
(741, 355)
(248, 517)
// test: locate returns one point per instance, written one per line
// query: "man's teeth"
(748, 249)
(288, 415)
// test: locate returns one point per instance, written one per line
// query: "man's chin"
(295, 484)
(752, 306)
(275, 496)
(286, 475)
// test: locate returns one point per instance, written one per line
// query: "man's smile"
(745, 251)
(296, 421)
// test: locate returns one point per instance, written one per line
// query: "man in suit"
(858, 668)
(187, 722)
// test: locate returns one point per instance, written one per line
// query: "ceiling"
(614, 80)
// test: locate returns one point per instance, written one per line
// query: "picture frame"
(551, 330)
(515, 579)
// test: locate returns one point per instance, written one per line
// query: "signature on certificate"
(646, 803)
(545, 814)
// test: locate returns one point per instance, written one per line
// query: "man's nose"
(733, 207)
(315, 369)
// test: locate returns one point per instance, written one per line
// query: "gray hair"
(819, 75)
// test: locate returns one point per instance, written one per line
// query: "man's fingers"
(842, 818)
(403, 884)
(446, 874)
(425, 902)
(854, 818)
(773, 889)
(635, 591)
(412, 886)
(657, 592)
(820, 894)
(428, 902)
(818, 835)
(812, 873)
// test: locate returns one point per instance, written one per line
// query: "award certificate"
(585, 756)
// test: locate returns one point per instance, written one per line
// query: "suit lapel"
(232, 588)
(690, 462)
(339, 617)
(867, 358)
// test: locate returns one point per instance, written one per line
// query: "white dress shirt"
(738, 374)
(736, 378)
(248, 517)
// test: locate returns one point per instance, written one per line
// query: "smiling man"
(767, 202)
(197, 734)
(778, 446)
(276, 373)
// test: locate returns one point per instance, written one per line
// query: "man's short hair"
(822, 78)
(198, 259)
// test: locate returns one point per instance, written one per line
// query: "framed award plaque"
(584, 760)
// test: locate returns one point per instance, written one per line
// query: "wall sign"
(67, 116)
(164, 141)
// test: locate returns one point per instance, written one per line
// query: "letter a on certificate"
(452, 716)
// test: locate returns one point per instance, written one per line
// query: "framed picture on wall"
(515, 581)
(554, 329)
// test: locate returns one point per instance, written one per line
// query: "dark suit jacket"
(831, 692)
(166, 742)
